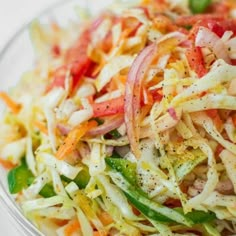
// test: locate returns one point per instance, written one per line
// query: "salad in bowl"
(126, 124)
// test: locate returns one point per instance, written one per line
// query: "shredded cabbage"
(37, 185)
(111, 69)
(66, 137)
(117, 197)
(14, 151)
(42, 203)
(229, 161)
(61, 166)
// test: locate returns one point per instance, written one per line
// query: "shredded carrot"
(90, 99)
(147, 97)
(234, 119)
(218, 122)
(15, 107)
(163, 23)
(144, 111)
(112, 86)
(73, 138)
(41, 126)
(72, 227)
(214, 115)
(6, 164)
(105, 218)
(59, 222)
(98, 68)
(121, 79)
(145, 2)
(97, 233)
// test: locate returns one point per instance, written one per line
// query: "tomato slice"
(110, 107)
(218, 150)
(215, 25)
(233, 61)
(192, 20)
(220, 27)
(212, 113)
(157, 94)
(195, 60)
(79, 49)
(77, 62)
(77, 70)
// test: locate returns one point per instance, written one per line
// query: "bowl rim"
(25, 226)
(25, 25)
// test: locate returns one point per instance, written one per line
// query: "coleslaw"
(127, 123)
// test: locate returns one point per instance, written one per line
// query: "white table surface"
(13, 15)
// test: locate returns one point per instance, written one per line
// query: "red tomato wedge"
(157, 94)
(217, 26)
(111, 107)
(196, 61)
(79, 50)
(218, 150)
(212, 113)
(191, 20)
(77, 62)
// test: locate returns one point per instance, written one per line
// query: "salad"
(126, 125)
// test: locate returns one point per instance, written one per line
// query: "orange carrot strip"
(41, 126)
(73, 138)
(72, 227)
(105, 218)
(234, 119)
(7, 164)
(214, 115)
(218, 122)
(15, 107)
(97, 233)
(59, 222)
(98, 68)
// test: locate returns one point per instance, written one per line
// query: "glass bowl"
(19, 54)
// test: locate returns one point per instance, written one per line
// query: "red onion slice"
(173, 114)
(108, 126)
(133, 95)
(207, 38)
